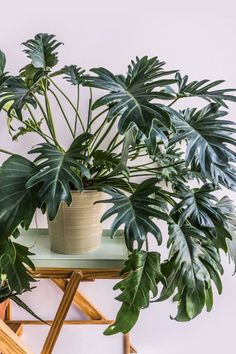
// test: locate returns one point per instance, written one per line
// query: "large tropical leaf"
(143, 275)
(130, 97)
(57, 171)
(16, 264)
(17, 203)
(193, 264)
(198, 206)
(73, 74)
(17, 94)
(42, 50)
(202, 89)
(208, 142)
(135, 212)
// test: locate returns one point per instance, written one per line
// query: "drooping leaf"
(193, 264)
(135, 212)
(42, 50)
(17, 94)
(55, 171)
(208, 142)
(16, 264)
(130, 97)
(17, 203)
(198, 206)
(143, 275)
(73, 74)
(203, 89)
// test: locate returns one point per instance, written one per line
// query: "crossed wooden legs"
(71, 295)
(95, 315)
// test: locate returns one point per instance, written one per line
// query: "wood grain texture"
(10, 343)
(62, 311)
(88, 273)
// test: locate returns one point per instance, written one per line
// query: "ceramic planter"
(77, 228)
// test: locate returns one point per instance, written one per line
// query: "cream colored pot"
(77, 228)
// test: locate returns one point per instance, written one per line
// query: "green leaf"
(32, 77)
(143, 275)
(2, 62)
(198, 206)
(193, 264)
(130, 97)
(17, 203)
(56, 170)
(104, 160)
(202, 89)
(209, 147)
(135, 212)
(73, 74)
(15, 263)
(42, 50)
(227, 233)
(17, 94)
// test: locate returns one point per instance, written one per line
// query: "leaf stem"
(77, 108)
(173, 102)
(95, 118)
(62, 111)
(6, 152)
(70, 102)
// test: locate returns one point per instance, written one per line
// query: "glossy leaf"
(73, 74)
(17, 203)
(130, 96)
(143, 275)
(55, 172)
(136, 212)
(16, 264)
(204, 90)
(42, 50)
(17, 94)
(209, 147)
(198, 206)
(193, 265)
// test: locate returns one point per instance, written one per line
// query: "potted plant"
(136, 119)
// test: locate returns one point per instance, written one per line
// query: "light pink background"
(197, 37)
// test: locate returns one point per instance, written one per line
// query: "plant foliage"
(160, 167)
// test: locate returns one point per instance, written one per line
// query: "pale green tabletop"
(111, 254)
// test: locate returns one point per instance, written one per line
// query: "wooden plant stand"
(67, 278)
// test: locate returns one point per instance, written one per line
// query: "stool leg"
(62, 311)
(126, 344)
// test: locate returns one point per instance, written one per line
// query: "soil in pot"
(77, 228)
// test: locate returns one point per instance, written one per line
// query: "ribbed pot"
(77, 228)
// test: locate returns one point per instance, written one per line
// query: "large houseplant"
(137, 120)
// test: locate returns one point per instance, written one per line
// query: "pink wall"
(197, 37)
